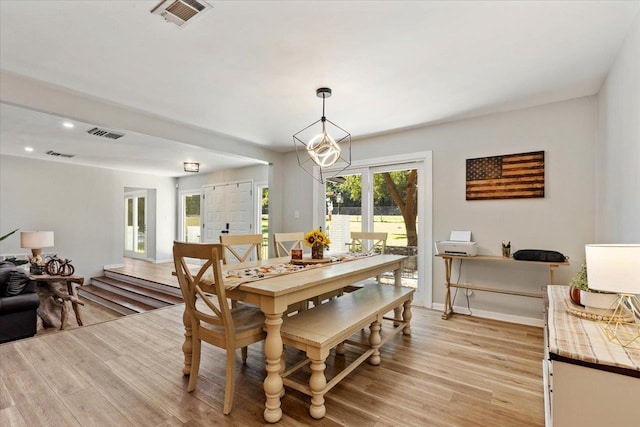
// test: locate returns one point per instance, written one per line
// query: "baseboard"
(162, 261)
(494, 315)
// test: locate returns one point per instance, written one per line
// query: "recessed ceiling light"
(28, 149)
(68, 125)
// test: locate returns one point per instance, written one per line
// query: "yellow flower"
(316, 237)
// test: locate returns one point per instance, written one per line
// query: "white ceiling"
(249, 69)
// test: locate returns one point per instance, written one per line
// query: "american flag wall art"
(514, 176)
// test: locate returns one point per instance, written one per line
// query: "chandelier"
(323, 145)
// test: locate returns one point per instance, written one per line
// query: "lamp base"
(36, 256)
(621, 332)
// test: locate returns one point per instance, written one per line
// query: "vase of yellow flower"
(318, 241)
(317, 251)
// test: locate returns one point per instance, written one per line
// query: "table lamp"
(36, 240)
(616, 268)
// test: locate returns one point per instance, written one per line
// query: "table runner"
(236, 277)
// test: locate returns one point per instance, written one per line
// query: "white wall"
(563, 220)
(618, 165)
(84, 206)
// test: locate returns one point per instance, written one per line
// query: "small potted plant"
(588, 297)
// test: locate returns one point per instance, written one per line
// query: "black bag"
(539, 255)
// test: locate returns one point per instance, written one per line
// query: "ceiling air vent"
(54, 154)
(180, 12)
(105, 133)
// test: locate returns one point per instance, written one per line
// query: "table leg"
(273, 385)
(317, 385)
(448, 309)
(374, 342)
(64, 314)
(397, 275)
(406, 316)
(71, 290)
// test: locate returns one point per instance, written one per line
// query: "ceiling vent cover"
(55, 154)
(105, 133)
(180, 12)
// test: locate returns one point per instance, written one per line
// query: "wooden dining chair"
(208, 312)
(282, 245)
(284, 242)
(241, 246)
(362, 241)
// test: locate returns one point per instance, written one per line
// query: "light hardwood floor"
(91, 312)
(464, 371)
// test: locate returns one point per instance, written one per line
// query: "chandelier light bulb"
(323, 150)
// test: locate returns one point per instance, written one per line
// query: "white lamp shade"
(36, 239)
(613, 268)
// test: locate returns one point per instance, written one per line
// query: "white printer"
(459, 243)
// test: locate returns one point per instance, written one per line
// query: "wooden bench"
(317, 330)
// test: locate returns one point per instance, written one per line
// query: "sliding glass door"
(395, 212)
(343, 209)
(380, 199)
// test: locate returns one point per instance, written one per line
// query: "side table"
(448, 260)
(59, 297)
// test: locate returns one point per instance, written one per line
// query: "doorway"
(228, 209)
(135, 224)
(391, 195)
(262, 218)
(378, 199)
(190, 228)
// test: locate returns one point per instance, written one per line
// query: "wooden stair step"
(166, 285)
(135, 296)
(138, 290)
(128, 304)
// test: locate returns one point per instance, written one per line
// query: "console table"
(588, 381)
(60, 298)
(448, 259)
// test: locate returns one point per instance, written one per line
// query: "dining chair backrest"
(196, 286)
(367, 241)
(284, 242)
(241, 246)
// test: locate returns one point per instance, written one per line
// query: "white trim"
(511, 318)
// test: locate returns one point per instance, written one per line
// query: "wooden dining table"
(273, 294)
